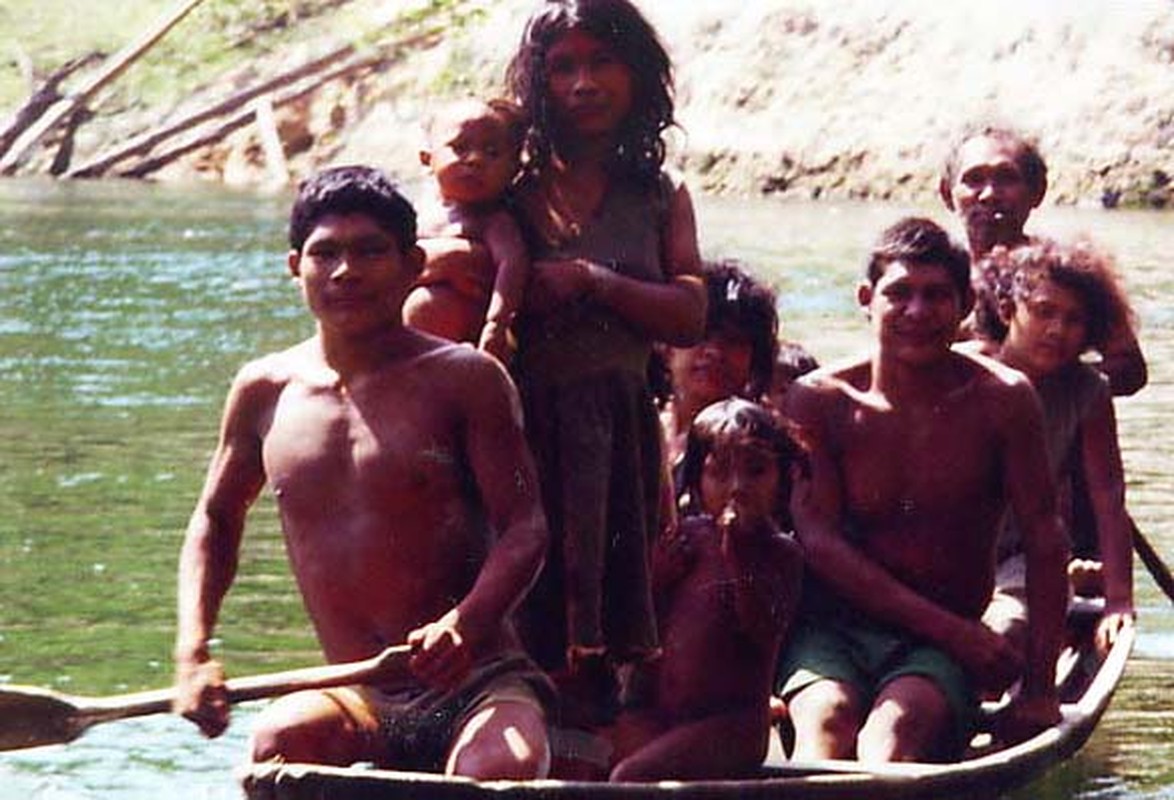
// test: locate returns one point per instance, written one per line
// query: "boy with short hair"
(916, 452)
(409, 505)
(475, 274)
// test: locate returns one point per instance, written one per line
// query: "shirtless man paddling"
(408, 502)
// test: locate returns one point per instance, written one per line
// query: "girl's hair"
(794, 360)
(1009, 276)
(739, 423)
(739, 302)
(640, 151)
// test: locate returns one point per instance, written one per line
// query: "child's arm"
(672, 311)
(672, 557)
(1106, 487)
(1123, 363)
(511, 262)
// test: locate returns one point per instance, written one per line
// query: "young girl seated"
(1044, 305)
(726, 587)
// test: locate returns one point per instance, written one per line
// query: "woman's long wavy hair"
(640, 150)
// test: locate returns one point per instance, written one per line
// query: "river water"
(126, 308)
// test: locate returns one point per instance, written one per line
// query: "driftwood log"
(45, 95)
(67, 107)
(224, 124)
(154, 150)
(141, 146)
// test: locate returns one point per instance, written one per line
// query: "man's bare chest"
(321, 438)
(892, 462)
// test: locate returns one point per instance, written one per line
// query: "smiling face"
(1046, 331)
(915, 310)
(589, 86)
(472, 154)
(353, 274)
(991, 193)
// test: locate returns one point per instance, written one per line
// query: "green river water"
(126, 308)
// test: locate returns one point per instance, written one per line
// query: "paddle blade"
(32, 717)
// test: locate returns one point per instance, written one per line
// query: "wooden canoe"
(1087, 683)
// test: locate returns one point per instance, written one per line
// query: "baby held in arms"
(475, 272)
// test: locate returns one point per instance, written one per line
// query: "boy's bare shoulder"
(831, 383)
(464, 371)
(275, 370)
(991, 375)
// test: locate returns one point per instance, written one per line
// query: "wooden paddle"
(1153, 562)
(32, 717)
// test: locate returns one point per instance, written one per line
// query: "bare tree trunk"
(65, 149)
(230, 108)
(40, 100)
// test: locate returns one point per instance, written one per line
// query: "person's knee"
(826, 717)
(631, 770)
(506, 742)
(302, 728)
(910, 721)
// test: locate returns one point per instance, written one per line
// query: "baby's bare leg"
(443, 311)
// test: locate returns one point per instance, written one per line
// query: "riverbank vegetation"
(780, 97)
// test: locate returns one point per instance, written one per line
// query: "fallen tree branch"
(143, 144)
(211, 135)
(40, 100)
(67, 106)
(140, 146)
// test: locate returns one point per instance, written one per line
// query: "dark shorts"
(415, 728)
(867, 657)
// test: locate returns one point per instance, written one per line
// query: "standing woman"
(616, 268)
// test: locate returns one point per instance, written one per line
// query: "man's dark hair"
(917, 240)
(352, 190)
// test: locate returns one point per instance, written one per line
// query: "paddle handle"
(1153, 562)
(254, 687)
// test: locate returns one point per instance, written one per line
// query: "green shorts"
(867, 656)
